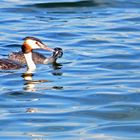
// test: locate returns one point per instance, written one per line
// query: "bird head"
(31, 43)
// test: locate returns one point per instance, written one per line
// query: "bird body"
(38, 58)
(7, 64)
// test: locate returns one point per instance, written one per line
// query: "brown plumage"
(7, 64)
(19, 57)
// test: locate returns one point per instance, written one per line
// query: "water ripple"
(93, 92)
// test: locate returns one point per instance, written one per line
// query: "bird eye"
(37, 43)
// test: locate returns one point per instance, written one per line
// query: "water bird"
(29, 44)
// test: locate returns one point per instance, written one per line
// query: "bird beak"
(44, 47)
(47, 48)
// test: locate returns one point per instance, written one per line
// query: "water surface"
(93, 94)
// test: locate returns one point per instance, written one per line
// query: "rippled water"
(94, 93)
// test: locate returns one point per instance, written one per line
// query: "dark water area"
(94, 92)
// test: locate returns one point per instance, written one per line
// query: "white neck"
(30, 63)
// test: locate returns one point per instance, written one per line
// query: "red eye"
(37, 43)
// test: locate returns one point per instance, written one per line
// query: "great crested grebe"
(30, 43)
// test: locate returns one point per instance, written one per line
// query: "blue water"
(94, 92)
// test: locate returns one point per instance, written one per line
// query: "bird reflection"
(31, 84)
(57, 69)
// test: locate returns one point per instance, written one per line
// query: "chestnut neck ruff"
(26, 48)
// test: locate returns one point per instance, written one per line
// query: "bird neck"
(30, 63)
